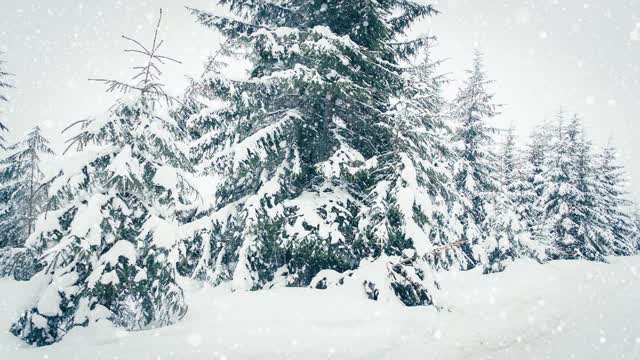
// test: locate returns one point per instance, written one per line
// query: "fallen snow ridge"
(561, 310)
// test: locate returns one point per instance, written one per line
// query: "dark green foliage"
(115, 272)
(291, 142)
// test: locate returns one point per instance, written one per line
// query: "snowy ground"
(562, 310)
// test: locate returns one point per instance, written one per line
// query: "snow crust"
(561, 310)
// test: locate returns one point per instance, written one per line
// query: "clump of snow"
(165, 233)
(86, 224)
(375, 279)
(308, 205)
(167, 177)
(49, 302)
(121, 248)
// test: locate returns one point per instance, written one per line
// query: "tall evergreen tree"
(509, 222)
(23, 196)
(23, 192)
(474, 172)
(422, 131)
(4, 84)
(111, 237)
(309, 139)
(612, 204)
(536, 169)
(571, 218)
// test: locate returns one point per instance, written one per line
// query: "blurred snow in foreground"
(561, 310)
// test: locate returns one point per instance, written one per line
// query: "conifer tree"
(411, 205)
(474, 171)
(23, 196)
(4, 84)
(612, 204)
(571, 218)
(309, 140)
(509, 223)
(424, 182)
(111, 237)
(536, 168)
(206, 116)
(23, 190)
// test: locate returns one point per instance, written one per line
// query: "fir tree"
(309, 141)
(536, 169)
(4, 84)
(571, 218)
(111, 237)
(509, 223)
(474, 171)
(612, 204)
(23, 196)
(422, 190)
(23, 192)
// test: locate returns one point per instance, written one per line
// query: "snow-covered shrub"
(404, 279)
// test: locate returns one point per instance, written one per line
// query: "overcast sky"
(543, 55)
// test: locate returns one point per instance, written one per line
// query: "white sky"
(543, 54)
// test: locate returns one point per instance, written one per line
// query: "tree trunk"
(328, 111)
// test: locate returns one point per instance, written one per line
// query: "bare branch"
(168, 58)
(148, 74)
(74, 124)
(136, 51)
(138, 43)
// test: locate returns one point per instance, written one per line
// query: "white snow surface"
(560, 310)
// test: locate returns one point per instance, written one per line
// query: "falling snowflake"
(590, 100)
(194, 339)
(635, 33)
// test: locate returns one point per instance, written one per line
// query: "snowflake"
(194, 339)
(635, 33)
(590, 100)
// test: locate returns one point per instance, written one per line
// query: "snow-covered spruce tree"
(420, 187)
(109, 246)
(207, 116)
(412, 206)
(510, 222)
(571, 218)
(475, 170)
(313, 144)
(4, 84)
(23, 195)
(536, 168)
(23, 190)
(612, 205)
